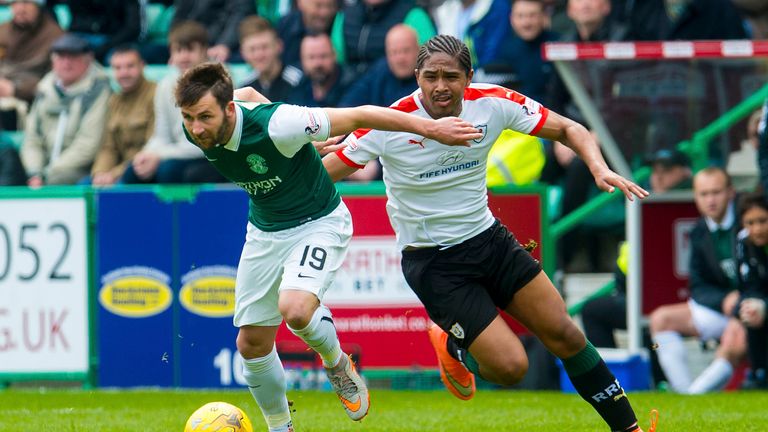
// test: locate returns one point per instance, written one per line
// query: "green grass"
(103, 410)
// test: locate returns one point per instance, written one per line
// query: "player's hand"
(330, 145)
(608, 181)
(35, 181)
(104, 179)
(454, 131)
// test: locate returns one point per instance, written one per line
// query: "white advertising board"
(43, 286)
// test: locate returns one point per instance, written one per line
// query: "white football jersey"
(437, 193)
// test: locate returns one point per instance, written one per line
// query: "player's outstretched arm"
(336, 168)
(578, 138)
(448, 130)
(249, 94)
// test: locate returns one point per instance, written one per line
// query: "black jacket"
(707, 281)
(220, 17)
(753, 268)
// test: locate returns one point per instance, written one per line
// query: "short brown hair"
(201, 79)
(254, 24)
(188, 33)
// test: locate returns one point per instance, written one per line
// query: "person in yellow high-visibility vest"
(515, 159)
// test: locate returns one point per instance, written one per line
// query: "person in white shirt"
(460, 261)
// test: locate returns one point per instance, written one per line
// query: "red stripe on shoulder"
(474, 93)
(359, 133)
(406, 104)
(347, 161)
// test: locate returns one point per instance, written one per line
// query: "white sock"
(320, 335)
(673, 359)
(714, 377)
(266, 381)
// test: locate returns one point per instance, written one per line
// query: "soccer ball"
(218, 417)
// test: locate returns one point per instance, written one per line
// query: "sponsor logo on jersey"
(457, 331)
(262, 186)
(257, 163)
(483, 128)
(313, 127)
(451, 157)
(449, 169)
(419, 143)
(531, 107)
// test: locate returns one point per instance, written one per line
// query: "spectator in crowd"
(713, 282)
(359, 30)
(600, 316)
(66, 121)
(220, 18)
(324, 81)
(309, 17)
(167, 156)
(25, 56)
(261, 47)
(390, 78)
(753, 284)
(130, 120)
(481, 24)
(521, 48)
(686, 20)
(755, 13)
(11, 169)
(104, 23)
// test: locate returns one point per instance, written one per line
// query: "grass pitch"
(104, 410)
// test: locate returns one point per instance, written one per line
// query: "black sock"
(463, 356)
(598, 386)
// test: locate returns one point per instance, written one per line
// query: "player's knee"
(296, 315)
(511, 371)
(659, 320)
(565, 339)
(250, 348)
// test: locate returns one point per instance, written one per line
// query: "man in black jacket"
(713, 284)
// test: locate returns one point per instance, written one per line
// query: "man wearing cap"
(25, 43)
(670, 169)
(66, 121)
(712, 282)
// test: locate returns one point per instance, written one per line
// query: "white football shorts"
(304, 258)
(709, 324)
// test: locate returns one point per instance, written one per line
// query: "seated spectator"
(755, 13)
(261, 47)
(324, 81)
(713, 281)
(25, 56)
(686, 20)
(743, 163)
(521, 48)
(167, 156)
(220, 18)
(11, 169)
(105, 24)
(66, 121)
(130, 120)
(752, 261)
(481, 24)
(390, 78)
(670, 169)
(309, 17)
(360, 29)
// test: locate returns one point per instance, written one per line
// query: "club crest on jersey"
(483, 130)
(257, 163)
(450, 157)
(457, 331)
(531, 107)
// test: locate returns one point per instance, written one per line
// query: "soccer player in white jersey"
(460, 261)
(298, 227)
